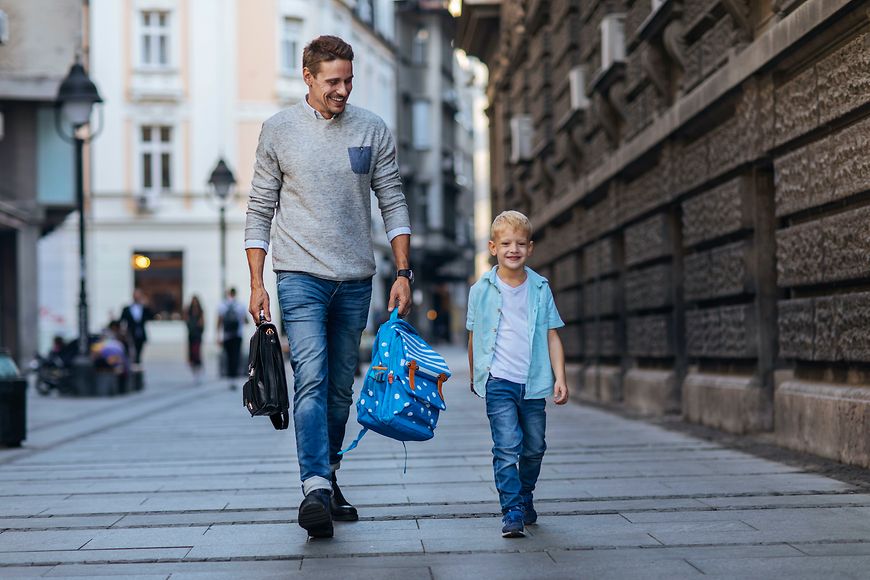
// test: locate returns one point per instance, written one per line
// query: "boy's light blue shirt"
(484, 313)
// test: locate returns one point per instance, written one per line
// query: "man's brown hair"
(325, 48)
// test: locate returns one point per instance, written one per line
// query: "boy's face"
(511, 247)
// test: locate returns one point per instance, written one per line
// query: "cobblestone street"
(179, 482)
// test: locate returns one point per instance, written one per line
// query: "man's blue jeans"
(324, 320)
(518, 426)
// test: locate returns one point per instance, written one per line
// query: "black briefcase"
(265, 392)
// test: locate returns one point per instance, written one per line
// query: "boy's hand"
(471, 388)
(560, 393)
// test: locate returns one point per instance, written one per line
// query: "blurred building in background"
(436, 152)
(39, 41)
(697, 172)
(185, 84)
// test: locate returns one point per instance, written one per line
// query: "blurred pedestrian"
(321, 158)
(133, 319)
(230, 326)
(195, 320)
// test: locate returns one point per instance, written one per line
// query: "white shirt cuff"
(398, 232)
(257, 244)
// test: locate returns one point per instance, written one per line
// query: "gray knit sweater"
(316, 177)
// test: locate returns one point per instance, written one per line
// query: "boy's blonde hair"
(510, 219)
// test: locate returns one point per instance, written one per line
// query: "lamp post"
(222, 180)
(75, 99)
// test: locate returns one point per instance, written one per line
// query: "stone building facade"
(698, 174)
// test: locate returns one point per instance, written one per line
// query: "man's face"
(329, 89)
(511, 247)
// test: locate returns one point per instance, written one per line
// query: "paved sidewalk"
(179, 482)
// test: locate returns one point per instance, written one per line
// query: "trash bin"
(13, 403)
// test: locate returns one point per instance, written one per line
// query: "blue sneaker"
(530, 516)
(513, 523)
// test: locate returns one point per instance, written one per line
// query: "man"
(133, 319)
(231, 319)
(317, 163)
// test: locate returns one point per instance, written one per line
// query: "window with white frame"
(291, 39)
(154, 33)
(155, 148)
(420, 124)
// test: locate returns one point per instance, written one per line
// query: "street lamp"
(75, 99)
(222, 180)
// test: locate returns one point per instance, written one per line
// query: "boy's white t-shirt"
(512, 355)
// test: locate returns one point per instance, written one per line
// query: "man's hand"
(259, 303)
(401, 293)
(560, 393)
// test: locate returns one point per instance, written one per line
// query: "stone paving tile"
(544, 538)
(654, 553)
(126, 577)
(146, 538)
(240, 570)
(807, 567)
(111, 504)
(201, 518)
(786, 500)
(835, 549)
(11, 541)
(665, 569)
(81, 556)
(11, 572)
(100, 521)
(802, 533)
(300, 548)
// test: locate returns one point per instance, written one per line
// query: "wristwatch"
(406, 273)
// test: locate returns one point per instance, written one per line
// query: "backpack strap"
(356, 441)
(412, 368)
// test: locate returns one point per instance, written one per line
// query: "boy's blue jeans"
(324, 320)
(518, 427)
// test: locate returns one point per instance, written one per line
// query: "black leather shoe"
(341, 509)
(314, 514)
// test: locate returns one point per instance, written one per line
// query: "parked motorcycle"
(52, 372)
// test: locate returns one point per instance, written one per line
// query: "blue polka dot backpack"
(402, 396)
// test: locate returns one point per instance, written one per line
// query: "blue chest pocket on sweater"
(360, 159)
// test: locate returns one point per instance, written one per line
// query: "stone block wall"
(704, 220)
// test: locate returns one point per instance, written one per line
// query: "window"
(291, 33)
(155, 39)
(159, 275)
(420, 124)
(419, 45)
(156, 156)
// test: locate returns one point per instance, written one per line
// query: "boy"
(513, 351)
